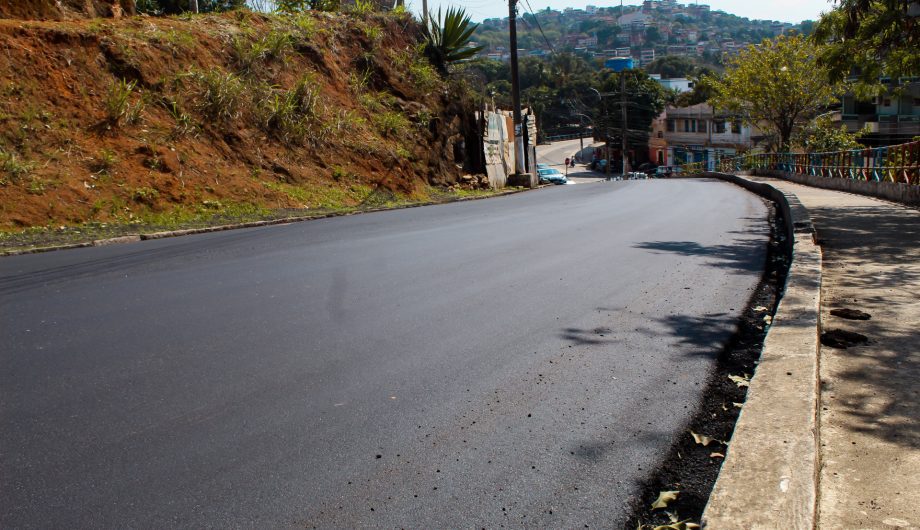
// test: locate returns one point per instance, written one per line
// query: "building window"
(686, 125)
(672, 126)
(718, 127)
(736, 127)
(887, 102)
(702, 126)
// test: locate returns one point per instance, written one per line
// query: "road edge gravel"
(769, 477)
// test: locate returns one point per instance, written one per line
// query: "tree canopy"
(775, 85)
(645, 99)
(823, 135)
(871, 39)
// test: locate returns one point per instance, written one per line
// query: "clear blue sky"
(783, 10)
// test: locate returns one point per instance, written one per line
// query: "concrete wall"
(891, 191)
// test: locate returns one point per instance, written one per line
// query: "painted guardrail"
(557, 137)
(896, 164)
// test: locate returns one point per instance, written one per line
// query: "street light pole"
(625, 165)
(581, 134)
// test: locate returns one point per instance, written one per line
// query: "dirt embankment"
(65, 9)
(154, 120)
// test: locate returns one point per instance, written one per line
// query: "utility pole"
(624, 167)
(425, 13)
(516, 92)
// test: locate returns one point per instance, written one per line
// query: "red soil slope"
(123, 119)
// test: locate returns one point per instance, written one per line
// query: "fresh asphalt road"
(516, 361)
(554, 155)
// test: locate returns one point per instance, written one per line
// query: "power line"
(540, 27)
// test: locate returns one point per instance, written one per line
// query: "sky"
(793, 11)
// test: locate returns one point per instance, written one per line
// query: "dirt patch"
(169, 120)
(692, 465)
(66, 9)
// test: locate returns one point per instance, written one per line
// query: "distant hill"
(657, 28)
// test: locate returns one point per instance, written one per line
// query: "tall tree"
(776, 85)
(644, 99)
(870, 38)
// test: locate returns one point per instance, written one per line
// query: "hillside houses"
(654, 29)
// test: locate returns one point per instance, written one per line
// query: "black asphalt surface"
(516, 361)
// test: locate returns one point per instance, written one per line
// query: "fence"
(896, 164)
(573, 136)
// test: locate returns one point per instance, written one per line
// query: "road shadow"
(740, 256)
(871, 262)
(699, 336)
(592, 337)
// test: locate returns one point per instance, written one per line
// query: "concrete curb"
(252, 224)
(769, 477)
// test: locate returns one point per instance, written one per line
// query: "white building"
(637, 18)
(681, 84)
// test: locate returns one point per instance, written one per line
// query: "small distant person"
(572, 162)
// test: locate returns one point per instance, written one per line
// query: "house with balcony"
(697, 133)
(893, 118)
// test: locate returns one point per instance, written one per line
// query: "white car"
(551, 176)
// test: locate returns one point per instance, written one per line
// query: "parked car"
(551, 176)
(667, 171)
(543, 166)
(648, 168)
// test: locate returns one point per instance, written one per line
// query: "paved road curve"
(513, 361)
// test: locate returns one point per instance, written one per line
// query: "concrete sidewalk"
(869, 405)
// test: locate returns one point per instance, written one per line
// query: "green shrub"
(36, 186)
(293, 115)
(13, 166)
(362, 7)
(305, 24)
(118, 101)
(104, 161)
(277, 45)
(390, 123)
(219, 94)
(145, 195)
(290, 6)
(249, 54)
(373, 33)
(424, 76)
(347, 121)
(184, 122)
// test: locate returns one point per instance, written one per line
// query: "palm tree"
(449, 37)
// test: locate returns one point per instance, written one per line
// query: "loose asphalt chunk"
(850, 314)
(842, 339)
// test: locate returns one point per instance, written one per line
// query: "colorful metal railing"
(896, 163)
